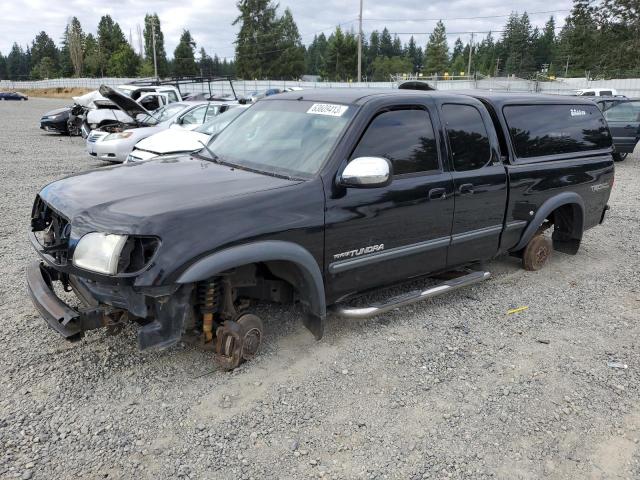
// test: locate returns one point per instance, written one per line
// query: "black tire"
(537, 253)
(619, 157)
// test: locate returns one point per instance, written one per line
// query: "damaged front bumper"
(67, 321)
(162, 311)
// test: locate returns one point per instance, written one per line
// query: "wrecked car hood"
(126, 104)
(173, 140)
(137, 197)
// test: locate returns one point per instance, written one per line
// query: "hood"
(173, 140)
(124, 103)
(131, 198)
(57, 111)
(88, 99)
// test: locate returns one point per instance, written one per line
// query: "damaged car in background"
(174, 141)
(113, 143)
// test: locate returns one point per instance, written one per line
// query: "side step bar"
(410, 297)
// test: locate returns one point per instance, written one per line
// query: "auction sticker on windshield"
(327, 109)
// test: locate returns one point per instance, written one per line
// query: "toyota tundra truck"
(312, 198)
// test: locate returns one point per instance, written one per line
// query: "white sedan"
(116, 146)
(173, 141)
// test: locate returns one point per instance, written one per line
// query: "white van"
(597, 92)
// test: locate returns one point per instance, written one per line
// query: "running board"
(410, 297)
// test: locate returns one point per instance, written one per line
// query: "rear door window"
(624, 112)
(405, 137)
(468, 138)
(540, 130)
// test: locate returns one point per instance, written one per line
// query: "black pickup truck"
(313, 197)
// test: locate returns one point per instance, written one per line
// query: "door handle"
(437, 194)
(466, 189)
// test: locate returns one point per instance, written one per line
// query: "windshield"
(163, 113)
(220, 121)
(286, 137)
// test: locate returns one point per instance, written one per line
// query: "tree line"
(599, 39)
(108, 53)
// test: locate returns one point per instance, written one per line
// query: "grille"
(52, 230)
(95, 136)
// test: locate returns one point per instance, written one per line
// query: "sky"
(210, 20)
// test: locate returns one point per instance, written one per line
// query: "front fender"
(311, 288)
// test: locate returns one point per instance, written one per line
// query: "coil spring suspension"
(208, 300)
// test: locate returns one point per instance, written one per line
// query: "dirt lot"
(453, 388)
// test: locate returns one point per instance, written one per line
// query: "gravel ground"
(453, 388)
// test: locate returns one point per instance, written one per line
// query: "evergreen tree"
(578, 45)
(437, 51)
(289, 63)
(110, 38)
(18, 67)
(458, 58)
(184, 61)
(92, 58)
(124, 63)
(3, 67)
(414, 53)
(151, 24)
(342, 53)
(316, 55)
(44, 56)
(386, 44)
(257, 38)
(74, 39)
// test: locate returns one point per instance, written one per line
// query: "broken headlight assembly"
(113, 254)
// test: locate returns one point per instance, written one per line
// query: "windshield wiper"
(214, 157)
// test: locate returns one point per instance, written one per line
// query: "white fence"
(629, 87)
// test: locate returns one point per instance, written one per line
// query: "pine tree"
(109, 38)
(256, 41)
(184, 61)
(151, 24)
(44, 56)
(437, 51)
(414, 53)
(386, 44)
(341, 56)
(289, 62)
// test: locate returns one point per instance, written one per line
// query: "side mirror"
(367, 172)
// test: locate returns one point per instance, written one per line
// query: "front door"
(382, 235)
(480, 183)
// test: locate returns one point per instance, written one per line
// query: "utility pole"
(360, 44)
(497, 67)
(153, 39)
(566, 67)
(470, 53)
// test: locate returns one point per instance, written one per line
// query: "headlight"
(99, 252)
(117, 136)
(54, 117)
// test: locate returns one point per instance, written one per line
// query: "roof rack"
(178, 81)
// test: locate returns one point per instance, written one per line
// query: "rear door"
(382, 235)
(624, 124)
(479, 181)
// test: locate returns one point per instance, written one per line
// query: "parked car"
(174, 141)
(624, 123)
(597, 92)
(605, 103)
(13, 96)
(115, 145)
(56, 120)
(313, 200)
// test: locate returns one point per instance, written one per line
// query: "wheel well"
(567, 221)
